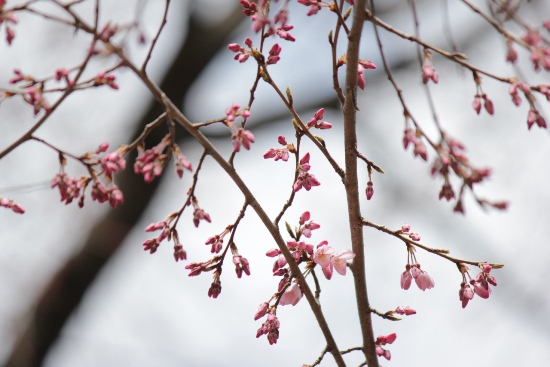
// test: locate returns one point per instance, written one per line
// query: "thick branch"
(352, 185)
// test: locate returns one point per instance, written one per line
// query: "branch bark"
(352, 185)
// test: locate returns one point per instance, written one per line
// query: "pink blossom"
(274, 57)
(340, 261)
(360, 76)
(270, 328)
(277, 154)
(283, 32)
(511, 53)
(476, 104)
(69, 187)
(105, 79)
(488, 104)
(10, 204)
(195, 268)
(424, 280)
(383, 340)
(405, 228)
(428, 71)
(406, 278)
(198, 215)
(273, 252)
(241, 265)
(534, 117)
(465, 294)
(180, 160)
(112, 162)
(370, 190)
(316, 123)
(407, 311)
(243, 137)
(179, 252)
(292, 294)
(261, 311)
(305, 179)
(414, 236)
(217, 243)
(215, 288)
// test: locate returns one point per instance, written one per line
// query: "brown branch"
(439, 252)
(453, 56)
(352, 184)
(154, 42)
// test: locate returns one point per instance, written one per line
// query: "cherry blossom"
(10, 204)
(291, 295)
(270, 328)
(280, 153)
(241, 265)
(422, 279)
(316, 122)
(305, 179)
(242, 137)
(324, 256)
(383, 340)
(262, 309)
(428, 71)
(465, 293)
(407, 311)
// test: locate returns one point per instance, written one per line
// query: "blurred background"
(78, 290)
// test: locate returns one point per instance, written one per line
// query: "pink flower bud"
(273, 252)
(370, 190)
(261, 311)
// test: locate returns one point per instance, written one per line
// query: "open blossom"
(325, 257)
(291, 295)
(422, 279)
(305, 179)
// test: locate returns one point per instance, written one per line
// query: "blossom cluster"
(8, 18)
(280, 153)
(288, 290)
(480, 284)
(304, 178)
(381, 341)
(151, 162)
